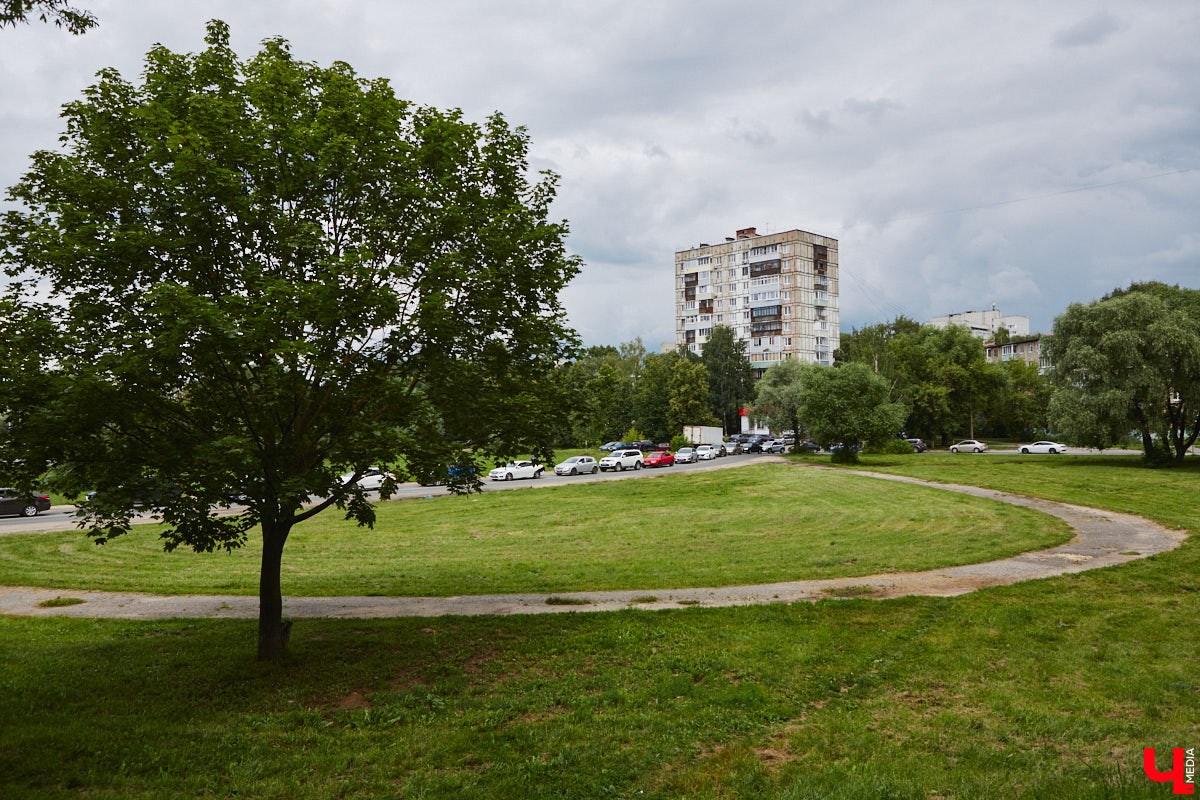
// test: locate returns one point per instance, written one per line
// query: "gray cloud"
(941, 149)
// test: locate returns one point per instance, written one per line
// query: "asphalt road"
(60, 518)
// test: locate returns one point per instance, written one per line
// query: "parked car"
(149, 496)
(1043, 447)
(644, 445)
(969, 446)
(918, 445)
(756, 443)
(706, 452)
(732, 447)
(686, 455)
(371, 479)
(620, 460)
(776, 446)
(810, 446)
(516, 469)
(659, 458)
(610, 446)
(578, 465)
(23, 503)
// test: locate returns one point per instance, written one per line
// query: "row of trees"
(612, 391)
(943, 378)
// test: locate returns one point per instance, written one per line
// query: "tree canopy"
(730, 376)
(848, 405)
(241, 279)
(1130, 361)
(60, 12)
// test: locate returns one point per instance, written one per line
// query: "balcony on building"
(706, 307)
(691, 279)
(761, 269)
(689, 293)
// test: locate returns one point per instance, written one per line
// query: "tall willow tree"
(240, 279)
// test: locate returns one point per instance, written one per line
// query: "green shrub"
(679, 441)
(892, 447)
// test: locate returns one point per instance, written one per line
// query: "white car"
(577, 465)
(706, 452)
(685, 455)
(1043, 447)
(969, 446)
(621, 460)
(371, 479)
(516, 469)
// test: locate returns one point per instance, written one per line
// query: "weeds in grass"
(59, 602)
(554, 600)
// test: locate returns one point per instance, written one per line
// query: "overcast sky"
(1027, 154)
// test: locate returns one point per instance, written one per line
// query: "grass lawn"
(755, 524)
(1047, 689)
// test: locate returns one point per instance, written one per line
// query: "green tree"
(687, 401)
(75, 20)
(730, 376)
(651, 402)
(1130, 361)
(263, 274)
(779, 396)
(848, 404)
(1023, 408)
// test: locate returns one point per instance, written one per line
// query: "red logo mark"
(1183, 770)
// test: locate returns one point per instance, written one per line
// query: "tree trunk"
(272, 632)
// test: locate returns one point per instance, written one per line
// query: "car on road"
(969, 446)
(659, 458)
(645, 445)
(776, 446)
(686, 455)
(608, 447)
(577, 465)
(918, 445)
(706, 452)
(810, 446)
(1043, 447)
(516, 469)
(371, 478)
(620, 460)
(732, 447)
(24, 503)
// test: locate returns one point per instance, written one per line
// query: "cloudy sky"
(1027, 154)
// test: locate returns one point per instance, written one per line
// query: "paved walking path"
(1102, 539)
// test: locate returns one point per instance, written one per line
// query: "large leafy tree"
(244, 278)
(1130, 361)
(687, 400)
(848, 404)
(779, 396)
(730, 376)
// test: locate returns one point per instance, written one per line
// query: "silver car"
(686, 455)
(577, 465)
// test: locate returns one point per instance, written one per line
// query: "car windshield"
(683, 450)
(655, 455)
(572, 460)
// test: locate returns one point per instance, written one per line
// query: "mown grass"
(1047, 689)
(750, 525)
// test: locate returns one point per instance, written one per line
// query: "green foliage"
(678, 441)
(263, 274)
(632, 435)
(848, 404)
(687, 402)
(730, 376)
(63, 15)
(779, 396)
(891, 447)
(1130, 361)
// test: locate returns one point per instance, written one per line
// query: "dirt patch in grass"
(354, 701)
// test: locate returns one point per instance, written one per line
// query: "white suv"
(706, 452)
(621, 460)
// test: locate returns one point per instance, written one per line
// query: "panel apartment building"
(778, 291)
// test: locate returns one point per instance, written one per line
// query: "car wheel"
(620, 467)
(953, 449)
(29, 511)
(537, 474)
(1052, 451)
(508, 477)
(574, 471)
(637, 465)
(976, 449)
(1024, 451)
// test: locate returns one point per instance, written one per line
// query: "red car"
(659, 458)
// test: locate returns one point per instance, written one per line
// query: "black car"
(918, 446)
(23, 503)
(645, 445)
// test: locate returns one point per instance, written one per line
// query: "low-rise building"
(1025, 348)
(985, 324)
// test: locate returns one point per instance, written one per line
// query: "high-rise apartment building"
(777, 291)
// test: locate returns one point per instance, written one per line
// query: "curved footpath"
(1102, 539)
